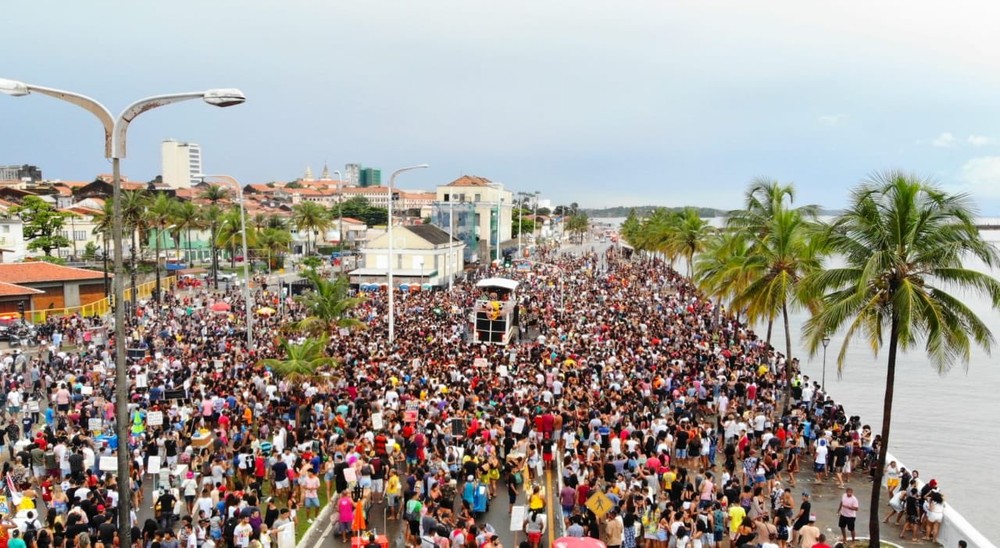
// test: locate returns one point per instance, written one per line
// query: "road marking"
(550, 512)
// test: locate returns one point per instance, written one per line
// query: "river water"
(947, 426)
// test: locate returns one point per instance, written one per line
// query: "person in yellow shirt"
(393, 493)
(735, 518)
(536, 501)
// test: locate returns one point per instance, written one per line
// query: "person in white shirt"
(242, 533)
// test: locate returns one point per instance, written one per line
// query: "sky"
(595, 102)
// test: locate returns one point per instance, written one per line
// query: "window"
(64, 234)
(81, 235)
(5, 229)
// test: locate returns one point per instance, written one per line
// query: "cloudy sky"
(598, 102)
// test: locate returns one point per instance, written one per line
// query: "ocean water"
(946, 425)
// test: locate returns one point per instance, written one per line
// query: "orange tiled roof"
(470, 180)
(41, 271)
(14, 290)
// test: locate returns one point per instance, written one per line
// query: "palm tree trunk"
(770, 324)
(215, 260)
(883, 450)
(788, 356)
(156, 264)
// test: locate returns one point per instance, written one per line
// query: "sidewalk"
(825, 498)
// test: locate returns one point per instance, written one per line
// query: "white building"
(421, 254)
(180, 163)
(492, 202)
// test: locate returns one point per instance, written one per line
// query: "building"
(421, 254)
(57, 286)
(20, 173)
(492, 204)
(12, 244)
(180, 163)
(352, 174)
(369, 177)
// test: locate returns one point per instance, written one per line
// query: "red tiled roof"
(41, 271)
(13, 290)
(470, 180)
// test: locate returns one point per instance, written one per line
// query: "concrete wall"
(954, 527)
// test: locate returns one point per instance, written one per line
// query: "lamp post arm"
(140, 106)
(88, 104)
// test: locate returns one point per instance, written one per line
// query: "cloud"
(981, 177)
(832, 120)
(979, 140)
(945, 140)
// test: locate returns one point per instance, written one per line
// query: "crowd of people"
(641, 388)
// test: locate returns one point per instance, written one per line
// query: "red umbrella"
(220, 307)
(578, 542)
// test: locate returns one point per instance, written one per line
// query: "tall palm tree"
(214, 194)
(788, 252)
(134, 219)
(230, 234)
(300, 361)
(102, 226)
(765, 199)
(328, 305)
(311, 218)
(186, 217)
(159, 213)
(904, 243)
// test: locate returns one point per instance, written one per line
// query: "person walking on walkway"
(848, 511)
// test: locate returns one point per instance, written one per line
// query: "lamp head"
(224, 97)
(14, 88)
(826, 341)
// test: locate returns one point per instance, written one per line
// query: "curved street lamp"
(392, 293)
(115, 132)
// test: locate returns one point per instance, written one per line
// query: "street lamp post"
(826, 342)
(247, 297)
(499, 221)
(392, 294)
(115, 131)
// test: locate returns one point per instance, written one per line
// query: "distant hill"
(705, 212)
(623, 211)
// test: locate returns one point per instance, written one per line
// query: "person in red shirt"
(822, 542)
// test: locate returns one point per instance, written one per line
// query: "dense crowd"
(642, 388)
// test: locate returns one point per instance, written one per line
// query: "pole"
(121, 370)
(499, 206)
(340, 214)
(247, 297)
(392, 295)
(451, 241)
(826, 342)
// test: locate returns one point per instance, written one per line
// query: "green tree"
(43, 224)
(631, 227)
(229, 234)
(720, 270)
(90, 252)
(687, 236)
(301, 361)
(904, 245)
(311, 218)
(185, 218)
(212, 215)
(328, 305)
(275, 242)
(578, 225)
(159, 214)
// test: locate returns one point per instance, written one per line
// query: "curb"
(313, 533)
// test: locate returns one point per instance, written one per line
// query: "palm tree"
(229, 233)
(687, 235)
(186, 217)
(214, 194)
(328, 305)
(765, 200)
(779, 262)
(134, 219)
(903, 242)
(301, 360)
(720, 270)
(159, 212)
(310, 217)
(275, 241)
(578, 225)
